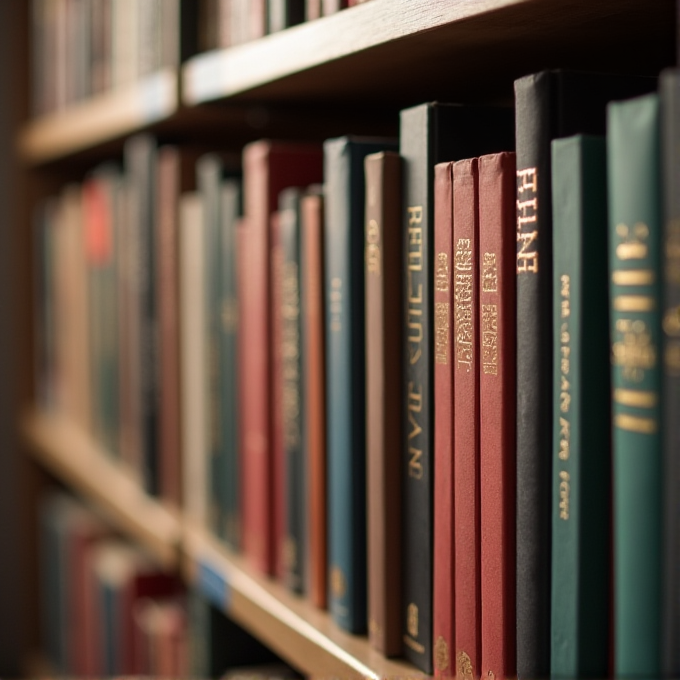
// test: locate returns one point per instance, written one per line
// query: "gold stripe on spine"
(636, 398)
(633, 277)
(634, 303)
(636, 424)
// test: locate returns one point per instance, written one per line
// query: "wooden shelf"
(303, 635)
(412, 50)
(73, 457)
(102, 118)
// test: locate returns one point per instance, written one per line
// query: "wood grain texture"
(295, 629)
(402, 44)
(74, 458)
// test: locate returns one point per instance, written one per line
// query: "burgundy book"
(383, 311)
(175, 173)
(444, 587)
(466, 419)
(268, 167)
(314, 389)
(497, 257)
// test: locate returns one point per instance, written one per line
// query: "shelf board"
(101, 118)
(417, 50)
(301, 634)
(73, 457)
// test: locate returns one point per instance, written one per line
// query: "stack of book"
(382, 369)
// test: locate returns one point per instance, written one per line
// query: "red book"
(497, 257)
(314, 372)
(466, 419)
(443, 597)
(268, 167)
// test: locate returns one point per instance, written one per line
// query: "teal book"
(634, 184)
(581, 490)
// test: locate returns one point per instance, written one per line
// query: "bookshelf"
(352, 70)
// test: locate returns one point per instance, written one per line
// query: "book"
(346, 376)
(581, 485)
(669, 92)
(313, 369)
(497, 416)
(634, 186)
(284, 13)
(429, 134)
(549, 104)
(268, 168)
(443, 620)
(332, 6)
(466, 482)
(383, 268)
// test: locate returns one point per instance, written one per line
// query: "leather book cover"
(346, 384)
(669, 90)
(635, 245)
(430, 133)
(548, 105)
(383, 270)
(292, 393)
(497, 394)
(268, 168)
(313, 330)
(175, 174)
(444, 554)
(581, 487)
(466, 482)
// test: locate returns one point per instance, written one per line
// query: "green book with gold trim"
(634, 181)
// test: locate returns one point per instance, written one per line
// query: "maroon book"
(497, 257)
(268, 167)
(443, 583)
(466, 418)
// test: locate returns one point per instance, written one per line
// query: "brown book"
(175, 173)
(313, 10)
(383, 261)
(314, 388)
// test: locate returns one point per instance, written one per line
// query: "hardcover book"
(634, 186)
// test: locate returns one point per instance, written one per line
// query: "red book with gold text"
(268, 167)
(497, 256)
(443, 600)
(466, 419)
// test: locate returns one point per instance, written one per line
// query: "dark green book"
(346, 377)
(581, 406)
(634, 180)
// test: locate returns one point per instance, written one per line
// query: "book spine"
(497, 414)
(581, 423)
(414, 146)
(444, 558)
(669, 86)
(312, 10)
(534, 373)
(292, 392)
(633, 165)
(383, 269)
(466, 418)
(314, 406)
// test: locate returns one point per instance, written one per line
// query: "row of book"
(357, 383)
(83, 48)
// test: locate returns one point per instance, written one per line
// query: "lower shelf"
(296, 630)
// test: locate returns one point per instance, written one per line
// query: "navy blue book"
(346, 379)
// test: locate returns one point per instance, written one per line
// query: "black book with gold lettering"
(548, 105)
(430, 133)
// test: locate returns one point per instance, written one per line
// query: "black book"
(548, 105)
(669, 86)
(293, 394)
(140, 171)
(284, 13)
(430, 134)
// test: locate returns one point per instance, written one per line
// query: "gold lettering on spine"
(633, 349)
(527, 219)
(414, 407)
(565, 368)
(441, 332)
(489, 273)
(290, 349)
(632, 241)
(442, 273)
(463, 301)
(414, 293)
(490, 339)
(373, 255)
(565, 488)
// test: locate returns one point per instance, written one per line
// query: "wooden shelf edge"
(303, 635)
(100, 119)
(72, 456)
